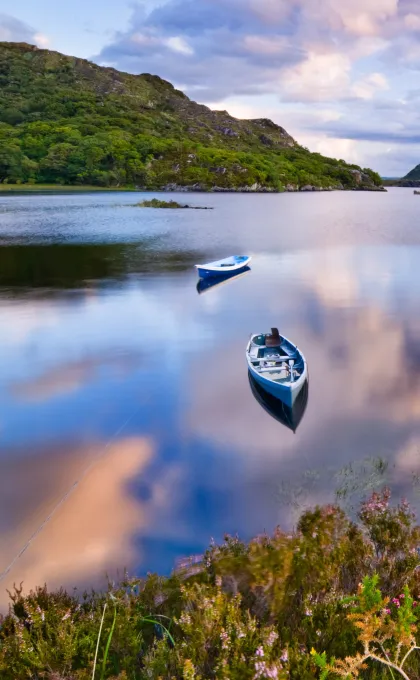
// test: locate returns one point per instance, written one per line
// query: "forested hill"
(414, 174)
(68, 121)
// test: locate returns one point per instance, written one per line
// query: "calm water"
(129, 435)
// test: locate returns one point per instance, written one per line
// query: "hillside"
(414, 174)
(412, 179)
(68, 121)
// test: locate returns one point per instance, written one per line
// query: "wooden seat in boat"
(273, 340)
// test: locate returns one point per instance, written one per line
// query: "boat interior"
(275, 357)
(232, 261)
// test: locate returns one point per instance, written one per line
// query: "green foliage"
(414, 174)
(245, 611)
(67, 121)
(386, 634)
(156, 203)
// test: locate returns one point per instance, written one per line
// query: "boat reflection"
(289, 416)
(204, 285)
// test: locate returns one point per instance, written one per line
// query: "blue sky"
(341, 77)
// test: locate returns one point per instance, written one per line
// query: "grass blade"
(97, 643)
(108, 643)
(147, 620)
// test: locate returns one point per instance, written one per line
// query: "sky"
(342, 76)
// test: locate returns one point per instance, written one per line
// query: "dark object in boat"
(273, 340)
(291, 417)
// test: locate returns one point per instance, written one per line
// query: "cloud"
(360, 54)
(180, 45)
(369, 86)
(329, 73)
(188, 41)
(412, 22)
(14, 30)
(266, 38)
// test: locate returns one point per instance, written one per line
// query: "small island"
(172, 205)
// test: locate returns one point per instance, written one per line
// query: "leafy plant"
(386, 633)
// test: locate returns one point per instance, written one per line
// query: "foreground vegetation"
(335, 598)
(67, 121)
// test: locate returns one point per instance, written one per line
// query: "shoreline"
(63, 188)
(69, 188)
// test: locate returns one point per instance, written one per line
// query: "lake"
(129, 435)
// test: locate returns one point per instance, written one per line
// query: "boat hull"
(224, 272)
(287, 393)
(210, 282)
(235, 264)
(286, 415)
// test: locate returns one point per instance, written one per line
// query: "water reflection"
(73, 265)
(147, 379)
(204, 285)
(286, 415)
(72, 516)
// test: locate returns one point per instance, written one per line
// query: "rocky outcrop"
(358, 176)
(227, 131)
(267, 141)
(257, 188)
(254, 188)
(371, 187)
(406, 183)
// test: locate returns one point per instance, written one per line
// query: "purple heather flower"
(272, 638)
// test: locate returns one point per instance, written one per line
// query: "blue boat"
(234, 263)
(286, 415)
(210, 282)
(277, 365)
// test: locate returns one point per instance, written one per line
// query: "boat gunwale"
(217, 265)
(288, 384)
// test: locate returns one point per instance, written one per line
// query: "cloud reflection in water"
(91, 533)
(200, 456)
